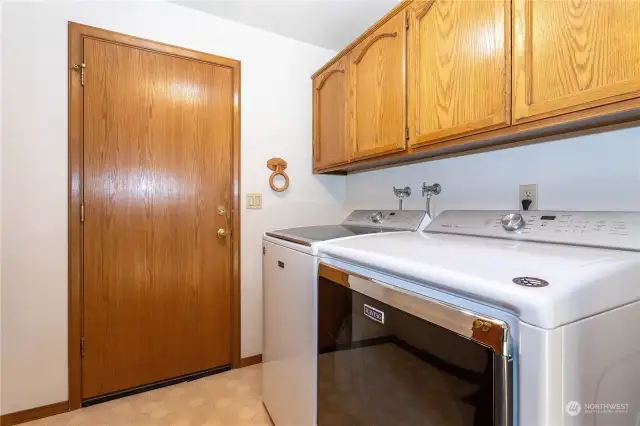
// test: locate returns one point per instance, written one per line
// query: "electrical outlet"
(528, 192)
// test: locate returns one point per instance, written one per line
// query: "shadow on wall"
(596, 171)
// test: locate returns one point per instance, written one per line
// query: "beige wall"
(276, 122)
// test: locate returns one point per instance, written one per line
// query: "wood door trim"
(251, 360)
(371, 43)
(372, 29)
(77, 32)
(326, 77)
(34, 413)
(425, 10)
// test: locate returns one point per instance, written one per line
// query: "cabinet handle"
(371, 42)
(326, 77)
(426, 10)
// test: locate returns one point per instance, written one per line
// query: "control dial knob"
(376, 217)
(512, 222)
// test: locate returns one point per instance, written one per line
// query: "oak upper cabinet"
(330, 137)
(574, 55)
(377, 119)
(458, 68)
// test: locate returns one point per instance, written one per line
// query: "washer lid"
(312, 234)
(359, 222)
(582, 281)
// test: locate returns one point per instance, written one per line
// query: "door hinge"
(406, 133)
(406, 22)
(82, 346)
(82, 212)
(80, 68)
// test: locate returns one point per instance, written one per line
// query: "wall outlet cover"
(528, 192)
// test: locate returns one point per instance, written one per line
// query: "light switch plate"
(528, 192)
(254, 200)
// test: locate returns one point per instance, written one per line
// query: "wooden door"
(459, 68)
(378, 95)
(330, 138)
(573, 55)
(158, 133)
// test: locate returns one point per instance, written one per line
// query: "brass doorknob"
(222, 233)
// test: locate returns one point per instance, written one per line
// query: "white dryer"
(488, 318)
(289, 273)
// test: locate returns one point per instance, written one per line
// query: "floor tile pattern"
(232, 398)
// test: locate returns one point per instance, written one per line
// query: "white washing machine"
(486, 318)
(289, 273)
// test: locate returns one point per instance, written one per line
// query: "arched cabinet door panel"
(377, 95)
(573, 55)
(459, 68)
(330, 138)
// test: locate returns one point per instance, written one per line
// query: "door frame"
(77, 33)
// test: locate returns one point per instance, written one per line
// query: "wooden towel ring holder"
(278, 165)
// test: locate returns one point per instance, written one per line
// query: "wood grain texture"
(330, 141)
(326, 75)
(371, 42)
(234, 220)
(459, 68)
(75, 123)
(573, 55)
(530, 132)
(77, 33)
(377, 104)
(34, 414)
(157, 161)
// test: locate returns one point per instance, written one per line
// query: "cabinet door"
(377, 95)
(574, 55)
(330, 138)
(458, 67)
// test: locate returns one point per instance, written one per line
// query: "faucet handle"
(402, 192)
(431, 190)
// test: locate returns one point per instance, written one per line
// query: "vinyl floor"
(232, 398)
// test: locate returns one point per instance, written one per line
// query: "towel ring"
(278, 165)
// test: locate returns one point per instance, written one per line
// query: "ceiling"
(331, 24)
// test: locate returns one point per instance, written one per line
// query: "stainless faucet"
(401, 193)
(429, 191)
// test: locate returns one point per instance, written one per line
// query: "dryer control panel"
(386, 219)
(596, 229)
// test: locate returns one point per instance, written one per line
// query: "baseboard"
(251, 360)
(34, 414)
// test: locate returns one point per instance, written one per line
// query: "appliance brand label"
(374, 314)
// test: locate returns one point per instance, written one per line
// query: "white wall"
(276, 122)
(593, 172)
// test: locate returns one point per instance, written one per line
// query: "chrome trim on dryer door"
(489, 332)
(502, 391)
